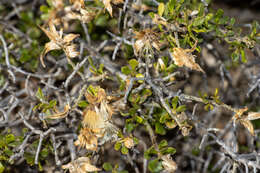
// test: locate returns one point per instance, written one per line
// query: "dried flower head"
(92, 119)
(96, 120)
(168, 164)
(78, 4)
(146, 39)
(81, 165)
(245, 119)
(183, 57)
(108, 6)
(140, 7)
(88, 139)
(83, 15)
(57, 41)
(58, 4)
(128, 142)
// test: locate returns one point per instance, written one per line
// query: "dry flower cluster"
(97, 128)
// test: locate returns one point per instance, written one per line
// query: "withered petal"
(69, 37)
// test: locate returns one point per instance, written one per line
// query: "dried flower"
(168, 164)
(245, 120)
(183, 57)
(128, 142)
(146, 39)
(57, 41)
(92, 119)
(80, 165)
(88, 139)
(96, 126)
(83, 15)
(78, 4)
(108, 6)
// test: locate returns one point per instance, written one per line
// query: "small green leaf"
(169, 150)
(52, 103)
(163, 144)
(25, 56)
(208, 17)
(155, 166)
(139, 119)
(181, 108)
(126, 70)
(29, 158)
(2, 168)
(82, 104)
(44, 152)
(101, 21)
(136, 141)
(129, 127)
(161, 8)
(139, 75)
(235, 56)
(117, 146)
(243, 56)
(107, 166)
(159, 129)
(232, 21)
(124, 150)
(40, 94)
(198, 21)
(9, 138)
(175, 102)
(133, 63)
(218, 15)
(149, 152)
(8, 152)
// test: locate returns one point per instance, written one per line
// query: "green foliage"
(215, 24)
(44, 105)
(2, 168)
(94, 69)
(8, 142)
(155, 166)
(109, 167)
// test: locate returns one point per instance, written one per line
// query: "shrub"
(95, 80)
